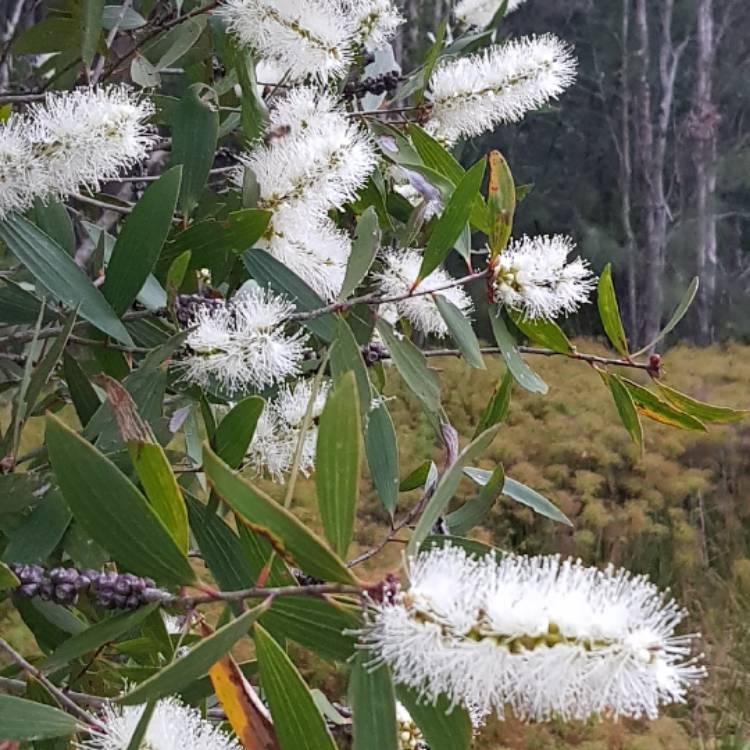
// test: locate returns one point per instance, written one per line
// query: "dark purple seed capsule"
(120, 600)
(137, 585)
(46, 590)
(133, 602)
(82, 583)
(28, 589)
(57, 575)
(105, 599)
(150, 583)
(122, 587)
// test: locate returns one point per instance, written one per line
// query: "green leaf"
(431, 58)
(21, 719)
(444, 727)
(449, 226)
(19, 307)
(416, 478)
(447, 487)
(516, 365)
(677, 316)
(338, 459)
(498, 405)
(346, 356)
(435, 155)
(412, 366)
(175, 277)
(178, 41)
(626, 408)
(221, 548)
(254, 116)
(8, 578)
(521, 494)
(543, 332)
(58, 273)
(82, 393)
(54, 220)
(373, 702)
(140, 241)
(365, 246)
(235, 432)
(609, 312)
(298, 723)
(126, 18)
(38, 535)
(699, 409)
(501, 199)
(461, 331)
(268, 271)
(289, 536)
(196, 662)
(195, 129)
(106, 631)
(91, 26)
(53, 34)
(474, 512)
(110, 508)
(382, 455)
(212, 239)
(315, 624)
(160, 485)
(651, 406)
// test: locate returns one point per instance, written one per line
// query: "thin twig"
(64, 700)
(103, 204)
(99, 69)
(376, 299)
(18, 687)
(24, 98)
(259, 592)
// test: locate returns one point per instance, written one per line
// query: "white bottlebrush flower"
(544, 637)
(481, 12)
(311, 38)
(19, 181)
(375, 21)
(321, 162)
(173, 726)
(242, 344)
(473, 94)
(312, 246)
(86, 136)
(533, 276)
(400, 271)
(277, 433)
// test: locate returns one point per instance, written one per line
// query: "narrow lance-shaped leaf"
(449, 226)
(447, 486)
(111, 509)
(291, 539)
(196, 662)
(365, 246)
(651, 406)
(298, 723)
(235, 432)
(543, 332)
(609, 312)
(150, 463)
(699, 409)
(474, 512)
(373, 702)
(501, 199)
(517, 367)
(338, 460)
(22, 719)
(91, 26)
(58, 273)
(498, 405)
(626, 408)
(444, 727)
(412, 367)
(461, 331)
(140, 241)
(195, 129)
(382, 455)
(521, 494)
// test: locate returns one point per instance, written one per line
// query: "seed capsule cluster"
(373, 85)
(104, 589)
(373, 352)
(187, 305)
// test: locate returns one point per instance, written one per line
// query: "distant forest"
(646, 160)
